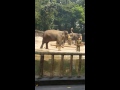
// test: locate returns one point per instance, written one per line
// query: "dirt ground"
(52, 47)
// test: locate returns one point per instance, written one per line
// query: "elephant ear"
(66, 32)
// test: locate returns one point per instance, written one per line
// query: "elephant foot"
(59, 48)
(46, 47)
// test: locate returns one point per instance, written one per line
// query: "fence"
(61, 73)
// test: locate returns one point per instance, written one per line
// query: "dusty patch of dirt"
(52, 47)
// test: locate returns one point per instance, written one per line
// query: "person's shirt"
(78, 42)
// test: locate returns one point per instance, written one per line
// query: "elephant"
(54, 35)
(75, 36)
(63, 42)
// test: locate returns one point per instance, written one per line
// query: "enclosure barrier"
(42, 53)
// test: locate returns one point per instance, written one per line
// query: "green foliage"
(60, 14)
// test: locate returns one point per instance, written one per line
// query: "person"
(78, 44)
(81, 37)
(72, 35)
(72, 31)
(69, 39)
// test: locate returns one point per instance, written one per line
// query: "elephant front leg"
(59, 45)
(62, 44)
(59, 48)
(56, 44)
(75, 42)
(47, 45)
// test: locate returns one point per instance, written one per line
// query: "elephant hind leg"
(47, 45)
(42, 44)
(59, 48)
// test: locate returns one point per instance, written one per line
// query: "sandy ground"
(52, 47)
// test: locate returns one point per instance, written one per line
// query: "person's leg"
(79, 48)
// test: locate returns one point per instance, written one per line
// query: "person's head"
(79, 38)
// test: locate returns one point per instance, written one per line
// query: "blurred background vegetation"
(60, 14)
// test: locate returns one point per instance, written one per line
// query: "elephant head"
(66, 34)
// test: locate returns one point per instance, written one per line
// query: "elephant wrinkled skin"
(75, 36)
(54, 35)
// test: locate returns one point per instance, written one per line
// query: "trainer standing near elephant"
(72, 31)
(78, 44)
(69, 39)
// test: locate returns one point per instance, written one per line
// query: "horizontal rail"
(58, 53)
(61, 72)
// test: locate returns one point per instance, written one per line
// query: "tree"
(60, 14)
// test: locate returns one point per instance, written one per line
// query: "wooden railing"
(42, 54)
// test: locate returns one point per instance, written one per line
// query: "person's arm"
(72, 31)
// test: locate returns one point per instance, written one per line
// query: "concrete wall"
(38, 33)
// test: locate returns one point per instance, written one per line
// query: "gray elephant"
(63, 42)
(75, 36)
(54, 35)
